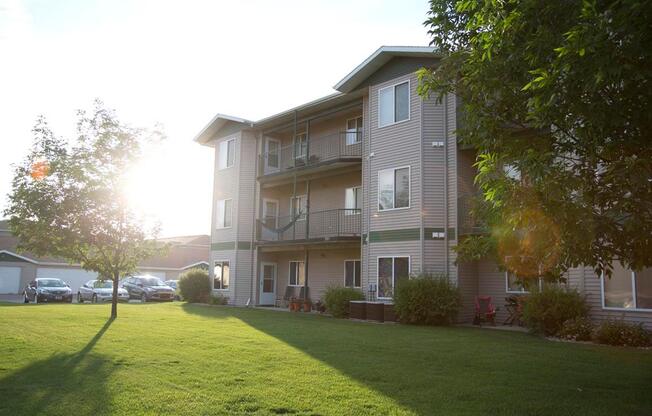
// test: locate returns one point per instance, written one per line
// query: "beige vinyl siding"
(402, 249)
(491, 282)
(225, 186)
(468, 284)
(452, 184)
(244, 275)
(246, 186)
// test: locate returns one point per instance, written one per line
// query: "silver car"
(100, 291)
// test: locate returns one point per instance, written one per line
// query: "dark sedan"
(148, 288)
(47, 290)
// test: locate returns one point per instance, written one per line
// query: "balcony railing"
(310, 152)
(334, 223)
(468, 223)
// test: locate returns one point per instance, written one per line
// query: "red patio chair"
(484, 311)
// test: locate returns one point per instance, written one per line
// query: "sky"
(178, 63)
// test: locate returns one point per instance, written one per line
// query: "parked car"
(100, 291)
(47, 290)
(148, 288)
(174, 284)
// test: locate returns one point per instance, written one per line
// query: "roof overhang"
(219, 121)
(379, 58)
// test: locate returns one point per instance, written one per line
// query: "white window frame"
(393, 257)
(278, 155)
(304, 137)
(275, 201)
(615, 308)
(348, 131)
(226, 156)
(292, 198)
(353, 260)
(347, 212)
(290, 272)
(217, 220)
(380, 126)
(222, 277)
(394, 190)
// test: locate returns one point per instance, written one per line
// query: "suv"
(148, 288)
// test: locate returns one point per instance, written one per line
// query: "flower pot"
(358, 309)
(307, 307)
(294, 306)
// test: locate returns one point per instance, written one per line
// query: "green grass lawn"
(190, 359)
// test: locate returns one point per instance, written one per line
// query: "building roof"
(345, 91)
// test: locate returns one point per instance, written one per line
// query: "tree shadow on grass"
(61, 384)
(457, 370)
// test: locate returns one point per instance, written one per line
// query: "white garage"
(9, 279)
(74, 277)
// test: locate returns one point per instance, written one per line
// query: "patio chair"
(304, 293)
(484, 311)
(287, 297)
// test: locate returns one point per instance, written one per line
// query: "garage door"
(9, 279)
(74, 277)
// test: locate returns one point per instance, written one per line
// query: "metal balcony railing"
(311, 152)
(332, 223)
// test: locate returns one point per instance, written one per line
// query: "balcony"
(334, 224)
(309, 155)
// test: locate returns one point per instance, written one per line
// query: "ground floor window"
(627, 289)
(221, 275)
(297, 273)
(390, 271)
(352, 273)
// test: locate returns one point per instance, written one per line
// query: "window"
(270, 213)
(390, 271)
(627, 289)
(297, 273)
(300, 146)
(514, 283)
(353, 200)
(224, 213)
(394, 104)
(394, 188)
(272, 153)
(352, 273)
(226, 155)
(221, 275)
(299, 206)
(353, 130)
(512, 172)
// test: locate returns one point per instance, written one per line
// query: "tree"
(560, 92)
(67, 201)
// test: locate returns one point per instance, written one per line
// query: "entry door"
(270, 219)
(272, 152)
(268, 284)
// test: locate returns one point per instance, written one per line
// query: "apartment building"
(362, 188)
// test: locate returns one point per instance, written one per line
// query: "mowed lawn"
(191, 359)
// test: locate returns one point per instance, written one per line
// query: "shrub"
(337, 300)
(578, 329)
(219, 299)
(194, 286)
(427, 299)
(546, 310)
(616, 332)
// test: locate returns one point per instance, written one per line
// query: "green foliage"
(427, 299)
(577, 329)
(67, 197)
(219, 299)
(337, 300)
(560, 91)
(616, 332)
(546, 310)
(195, 286)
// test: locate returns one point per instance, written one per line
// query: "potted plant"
(294, 305)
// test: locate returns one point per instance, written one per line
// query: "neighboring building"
(17, 270)
(361, 188)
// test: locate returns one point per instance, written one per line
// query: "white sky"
(179, 63)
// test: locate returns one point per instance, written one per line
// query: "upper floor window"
(627, 289)
(394, 104)
(299, 206)
(353, 200)
(394, 188)
(221, 275)
(300, 146)
(353, 130)
(226, 154)
(224, 213)
(512, 172)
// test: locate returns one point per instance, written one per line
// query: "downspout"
(236, 229)
(368, 240)
(422, 205)
(446, 268)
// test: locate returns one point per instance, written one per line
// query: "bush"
(578, 329)
(337, 300)
(427, 299)
(219, 299)
(615, 332)
(545, 311)
(194, 286)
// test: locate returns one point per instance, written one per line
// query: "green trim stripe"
(386, 236)
(231, 245)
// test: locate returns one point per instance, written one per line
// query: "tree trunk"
(114, 300)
